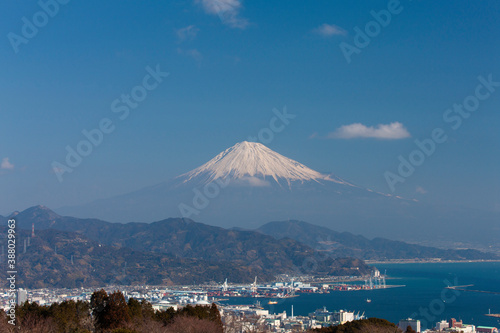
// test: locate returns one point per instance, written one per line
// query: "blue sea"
(424, 296)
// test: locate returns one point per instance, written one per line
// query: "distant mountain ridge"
(63, 259)
(357, 246)
(240, 255)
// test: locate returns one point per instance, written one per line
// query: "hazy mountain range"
(68, 251)
(357, 246)
(170, 251)
(248, 184)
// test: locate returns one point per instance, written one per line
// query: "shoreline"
(425, 261)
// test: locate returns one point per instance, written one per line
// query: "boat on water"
(257, 305)
(272, 302)
(368, 300)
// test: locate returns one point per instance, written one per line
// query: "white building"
(442, 325)
(463, 329)
(164, 305)
(343, 316)
(22, 296)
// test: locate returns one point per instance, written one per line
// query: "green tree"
(109, 311)
(140, 310)
(165, 317)
(70, 315)
(134, 308)
(214, 315)
(98, 302)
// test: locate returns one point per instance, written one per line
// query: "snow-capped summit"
(246, 160)
(246, 185)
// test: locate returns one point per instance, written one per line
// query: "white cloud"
(193, 53)
(188, 32)
(420, 190)
(328, 30)
(391, 131)
(312, 136)
(6, 164)
(227, 10)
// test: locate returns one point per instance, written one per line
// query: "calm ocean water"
(423, 296)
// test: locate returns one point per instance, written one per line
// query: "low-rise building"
(486, 329)
(413, 323)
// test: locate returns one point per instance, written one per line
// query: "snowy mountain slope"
(249, 184)
(252, 159)
(247, 181)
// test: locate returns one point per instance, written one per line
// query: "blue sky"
(230, 63)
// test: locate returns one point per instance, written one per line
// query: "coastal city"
(251, 316)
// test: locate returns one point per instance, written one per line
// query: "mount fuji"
(249, 184)
(256, 164)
